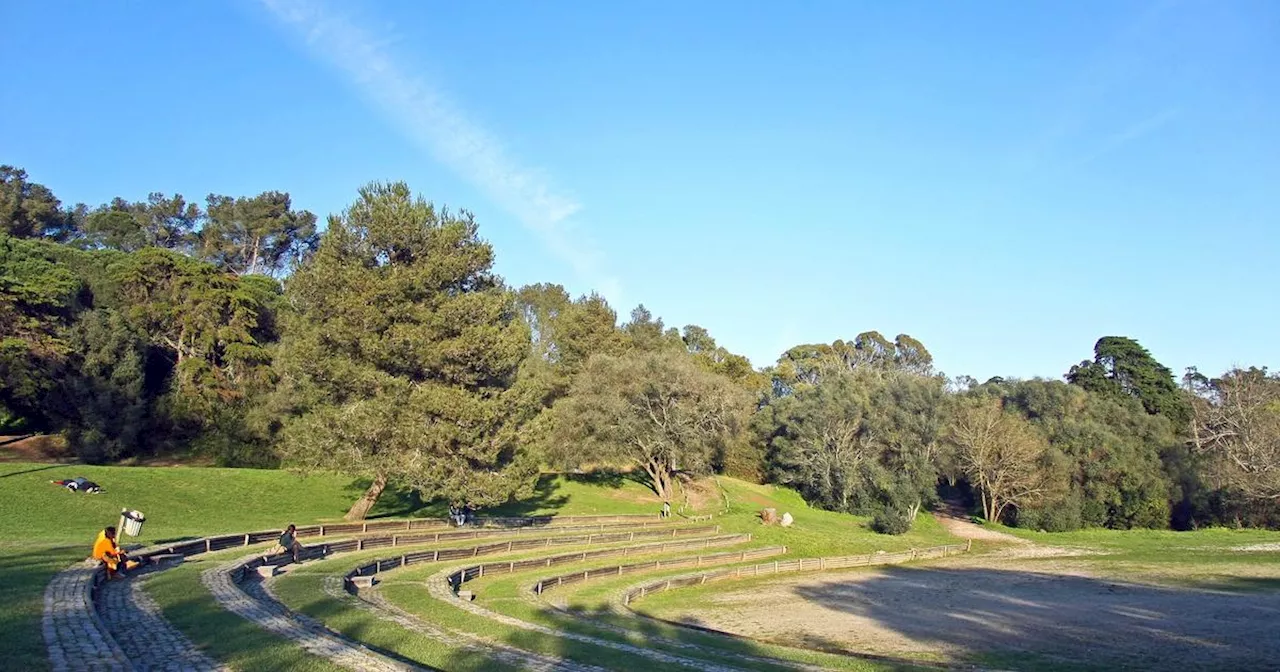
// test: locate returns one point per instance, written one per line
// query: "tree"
(116, 226)
(213, 325)
(29, 209)
(262, 234)
(1002, 455)
(909, 416)
(647, 332)
(656, 410)
(107, 400)
(823, 443)
(160, 221)
(1122, 367)
(404, 374)
(39, 299)
(869, 351)
(1236, 429)
(1111, 449)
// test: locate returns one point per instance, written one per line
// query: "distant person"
(80, 484)
(666, 509)
(288, 543)
(107, 551)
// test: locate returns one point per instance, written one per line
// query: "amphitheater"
(564, 593)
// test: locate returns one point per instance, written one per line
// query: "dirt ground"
(1057, 611)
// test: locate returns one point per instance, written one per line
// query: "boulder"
(787, 520)
(769, 516)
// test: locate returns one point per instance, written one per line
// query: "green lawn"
(1213, 558)
(44, 528)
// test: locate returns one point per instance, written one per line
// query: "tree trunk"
(658, 475)
(361, 508)
(253, 260)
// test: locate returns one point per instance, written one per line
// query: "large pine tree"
(400, 355)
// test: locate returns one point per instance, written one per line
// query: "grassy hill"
(43, 528)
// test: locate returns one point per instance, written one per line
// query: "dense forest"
(386, 348)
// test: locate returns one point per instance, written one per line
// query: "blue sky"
(1006, 182)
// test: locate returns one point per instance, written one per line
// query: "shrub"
(891, 521)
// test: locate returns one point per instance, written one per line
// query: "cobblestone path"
(137, 625)
(78, 641)
(250, 602)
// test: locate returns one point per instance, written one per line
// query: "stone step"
(167, 559)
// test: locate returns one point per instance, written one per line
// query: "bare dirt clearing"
(1059, 612)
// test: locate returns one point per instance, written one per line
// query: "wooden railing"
(217, 543)
(446, 554)
(675, 563)
(796, 565)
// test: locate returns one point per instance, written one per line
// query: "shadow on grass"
(692, 641)
(1054, 617)
(34, 469)
(24, 573)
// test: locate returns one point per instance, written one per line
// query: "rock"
(769, 516)
(787, 520)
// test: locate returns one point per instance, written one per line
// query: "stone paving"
(78, 640)
(252, 603)
(137, 625)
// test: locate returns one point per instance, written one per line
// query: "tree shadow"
(1052, 618)
(34, 469)
(704, 646)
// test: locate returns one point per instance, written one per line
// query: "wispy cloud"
(1119, 60)
(439, 125)
(1135, 131)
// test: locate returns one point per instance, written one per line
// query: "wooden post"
(968, 545)
(364, 527)
(208, 545)
(246, 539)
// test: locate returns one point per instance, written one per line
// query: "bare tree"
(1002, 455)
(1235, 425)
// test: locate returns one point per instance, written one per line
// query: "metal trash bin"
(131, 522)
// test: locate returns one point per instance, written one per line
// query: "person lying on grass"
(288, 543)
(80, 484)
(107, 551)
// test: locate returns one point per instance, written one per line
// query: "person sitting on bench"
(288, 543)
(107, 551)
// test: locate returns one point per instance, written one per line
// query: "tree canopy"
(387, 349)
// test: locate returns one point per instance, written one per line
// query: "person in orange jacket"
(107, 551)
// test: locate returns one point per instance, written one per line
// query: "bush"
(891, 521)
(1061, 517)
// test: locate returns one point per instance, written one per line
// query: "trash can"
(131, 521)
